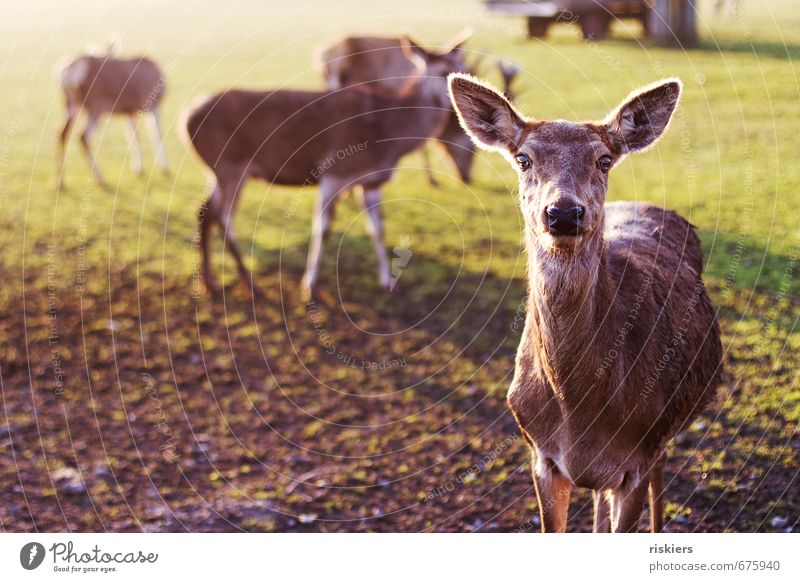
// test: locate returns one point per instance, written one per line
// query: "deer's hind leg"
(135, 145)
(552, 492)
(206, 221)
(220, 208)
(63, 138)
(91, 125)
(230, 187)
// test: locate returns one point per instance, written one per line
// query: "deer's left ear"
(641, 119)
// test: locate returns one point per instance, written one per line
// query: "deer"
(341, 140)
(621, 345)
(509, 72)
(104, 84)
(383, 64)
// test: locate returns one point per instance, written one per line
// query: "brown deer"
(383, 63)
(336, 139)
(509, 72)
(621, 344)
(101, 84)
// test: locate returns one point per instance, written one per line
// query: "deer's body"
(616, 359)
(621, 344)
(101, 85)
(337, 139)
(382, 64)
(285, 137)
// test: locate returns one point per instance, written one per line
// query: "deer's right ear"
(487, 116)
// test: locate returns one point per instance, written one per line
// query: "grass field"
(129, 403)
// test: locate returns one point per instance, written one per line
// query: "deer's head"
(563, 166)
(434, 65)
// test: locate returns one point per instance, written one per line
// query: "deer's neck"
(567, 300)
(421, 110)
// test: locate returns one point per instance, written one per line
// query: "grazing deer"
(101, 84)
(621, 344)
(336, 139)
(508, 71)
(382, 63)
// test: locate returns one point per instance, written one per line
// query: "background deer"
(104, 84)
(383, 64)
(339, 140)
(508, 72)
(621, 344)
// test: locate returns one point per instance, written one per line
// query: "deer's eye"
(523, 161)
(604, 163)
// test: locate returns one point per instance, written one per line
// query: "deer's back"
(295, 137)
(375, 61)
(105, 84)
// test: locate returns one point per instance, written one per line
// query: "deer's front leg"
(602, 512)
(656, 493)
(323, 215)
(552, 492)
(371, 199)
(627, 502)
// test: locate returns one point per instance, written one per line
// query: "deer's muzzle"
(564, 220)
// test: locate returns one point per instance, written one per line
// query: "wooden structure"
(667, 21)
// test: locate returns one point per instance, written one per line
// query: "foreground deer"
(103, 84)
(338, 139)
(621, 345)
(383, 64)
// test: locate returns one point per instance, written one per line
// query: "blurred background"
(130, 402)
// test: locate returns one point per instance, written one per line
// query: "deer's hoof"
(308, 292)
(212, 288)
(395, 289)
(251, 289)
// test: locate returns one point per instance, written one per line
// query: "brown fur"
(621, 345)
(383, 63)
(100, 85)
(338, 139)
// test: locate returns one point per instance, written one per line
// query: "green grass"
(728, 163)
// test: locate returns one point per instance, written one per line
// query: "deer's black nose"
(563, 219)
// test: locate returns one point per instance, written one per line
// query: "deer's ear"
(413, 49)
(485, 114)
(457, 42)
(641, 119)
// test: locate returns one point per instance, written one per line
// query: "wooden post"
(673, 22)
